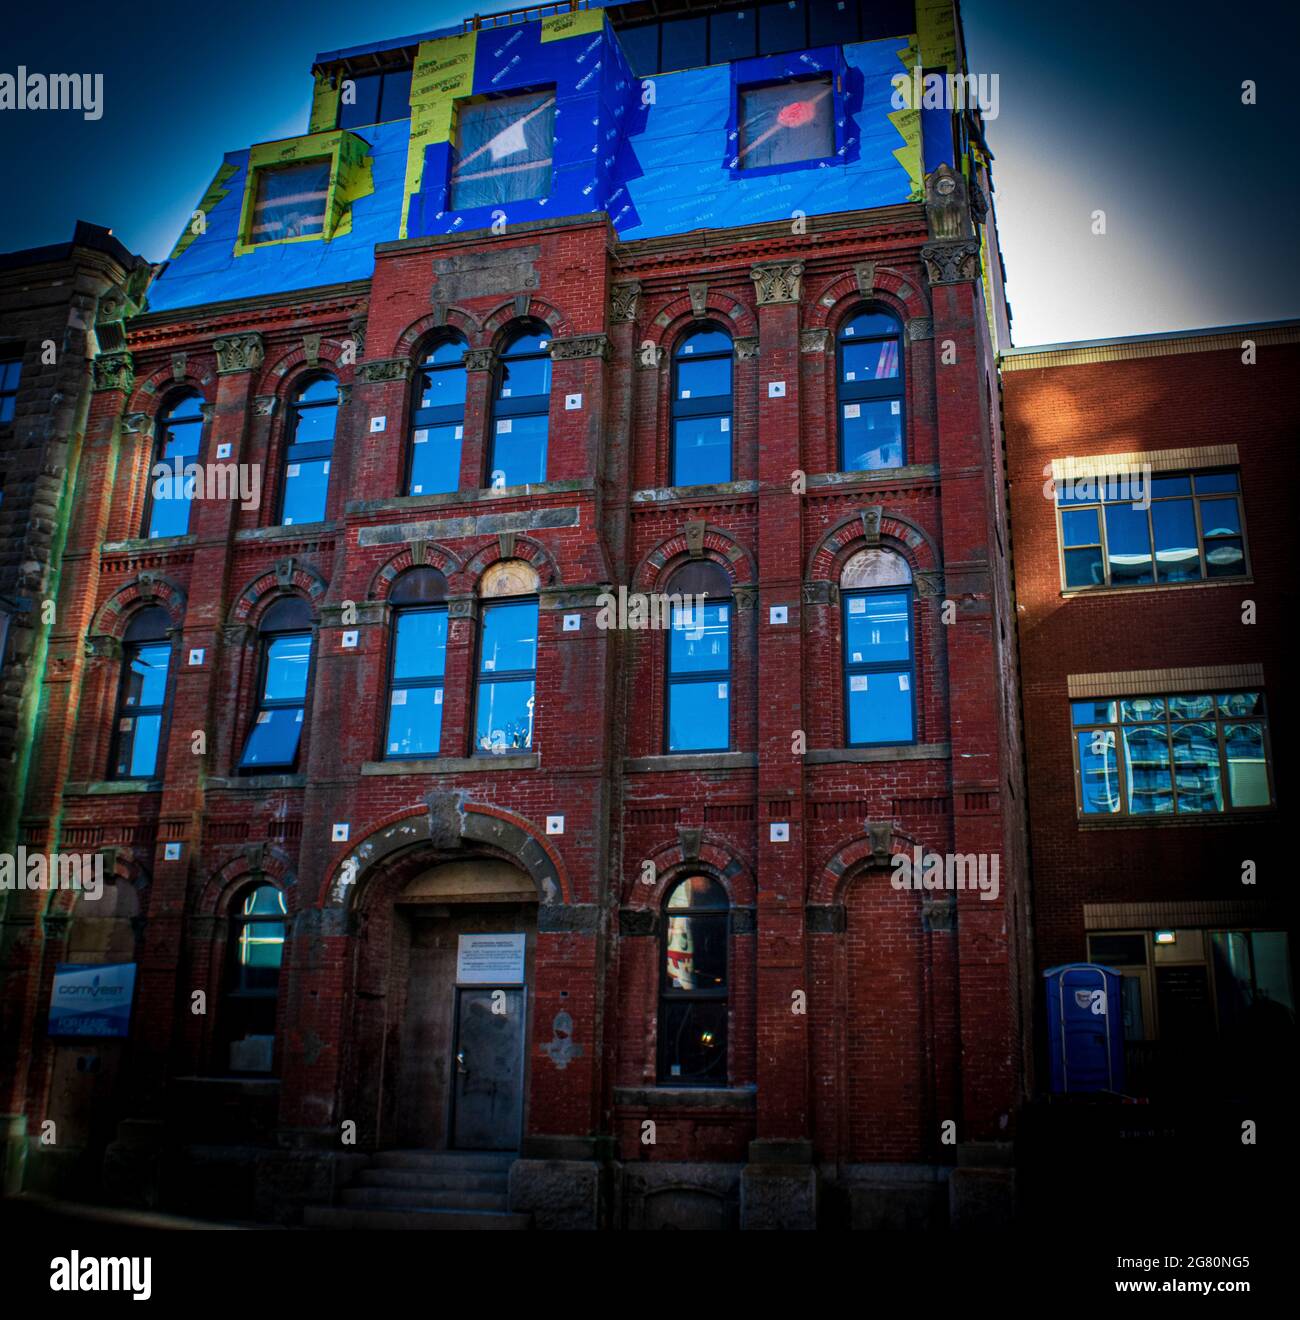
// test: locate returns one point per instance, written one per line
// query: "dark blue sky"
(1129, 108)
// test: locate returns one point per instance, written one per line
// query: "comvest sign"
(91, 999)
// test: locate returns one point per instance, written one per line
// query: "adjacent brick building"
(475, 412)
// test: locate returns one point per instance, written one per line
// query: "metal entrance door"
(487, 1099)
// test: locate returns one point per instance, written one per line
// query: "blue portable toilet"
(1085, 1028)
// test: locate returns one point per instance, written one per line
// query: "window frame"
(427, 418)
(681, 409)
(525, 405)
(736, 167)
(424, 681)
(720, 911)
(1100, 505)
(320, 449)
(478, 100)
(849, 668)
(870, 391)
(264, 640)
(129, 652)
(505, 675)
(236, 996)
(395, 71)
(10, 358)
(158, 457)
(700, 677)
(1221, 722)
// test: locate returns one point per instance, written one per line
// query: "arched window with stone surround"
(438, 419)
(180, 434)
(507, 666)
(521, 408)
(283, 673)
(693, 984)
(698, 714)
(252, 980)
(869, 358)
(879, 657)
(140, 728)
(417, 664)
(702, 407)
(309, 447)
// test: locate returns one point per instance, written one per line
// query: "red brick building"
(1150, 507)
(699, 997)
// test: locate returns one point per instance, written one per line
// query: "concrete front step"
(320, 1216)
(449, 1180)
(414, 1198)
(444, 1161)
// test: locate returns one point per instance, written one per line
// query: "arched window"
(521, 412)
(256, 950)
(417, 664)
(869, 351)
(142, 698)
(702, 407)
(693, 985)
(879, 661)
(312, 419)
(699, 659)
(180, 430)
(284, 663)
(438, 420)
(507, 670)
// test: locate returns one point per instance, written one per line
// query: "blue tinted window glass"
(699, 716)
(1220, 518)
(147, 683)
(306, 485)
(701, 451)
(525, 378)
(1080, 527)
(359, 103)
(435, 459)
(314, 425)
(880, 707)
(448, 352)
(700, 639)
(505, 716)
(519, 450)
(1092, 712)
(872, 359)
(139, 746)
(1147, 770)
(1128, 544)
(420, 648)
(274, 737)
(444, 388)
(705, 378)
(1247, 767)
(704, 341)
(1174, 525)
(641, 46)
(872, 434)
(1196, 768)
(395, 96)
(509, 637)
(1099, 773)
(1083, 568)
(414, 721)
(685, 44)
(878, 628)
(287, 660)
(1213, 483)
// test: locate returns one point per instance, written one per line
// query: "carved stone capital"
(114, 371)
(479, 359)
(382, 370)
(746, 598)
(920, 327)
(100, 646)
(264, 405)
(649, 357)
(819, 592)
(235, 635)
(638, 921)
(138, 423)
(929, 582)
(946, 207)
(939, 913)
(244, 352)
(814, 341)
(357, 333)
(951, 263)
(623, 300)
(462, 607)
(580, 346)
(746, 347)
(777, 284)
(345, 395)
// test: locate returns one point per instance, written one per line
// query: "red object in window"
(795, 114)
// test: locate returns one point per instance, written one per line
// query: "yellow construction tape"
(324, 104)
(216, 191)
(908, 124)
(444, 71)
(350, 177)
(577, 24)
(936, 29)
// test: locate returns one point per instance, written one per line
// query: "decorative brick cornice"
(383, 370)
(951, 262)
(580, 346)
(243, 352)
(777, 284)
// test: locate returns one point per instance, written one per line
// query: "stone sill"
(256, 783)
(468, 498)
(288, 531)
(705, 494)
(686, 761)
(873, 755)
(743, 1098)
(104, 787)
(453, 765)
(875, 476)
(139, 544)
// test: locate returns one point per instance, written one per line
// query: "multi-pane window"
(418, 665)
(1171, 755)
(312, 421)
(142, 699)
(11, 369)
(438, 420)
(699, 660)
(507, 670)
(521, 411)
(786, 122)
(870, 392)
(284, 663)
(701, 408)
(375, 98)
(180, 430)
(878, 686)
(693, 985)
(1184, 527)
(253, 979)
(504, 149)
(290, 202)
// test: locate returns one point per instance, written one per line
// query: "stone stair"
(425, 1189)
